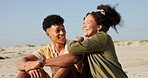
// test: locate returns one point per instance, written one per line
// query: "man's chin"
(63, 42)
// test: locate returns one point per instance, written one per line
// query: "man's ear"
(99, 27)
(47, 34)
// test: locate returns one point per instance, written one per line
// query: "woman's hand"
(79, 39)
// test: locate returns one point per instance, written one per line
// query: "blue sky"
(21, 20)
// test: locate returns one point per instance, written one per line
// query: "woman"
(100, 59)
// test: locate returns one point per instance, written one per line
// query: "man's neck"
(59, 48)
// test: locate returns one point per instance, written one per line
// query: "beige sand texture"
(133, 55)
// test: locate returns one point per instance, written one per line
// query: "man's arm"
(65, 60)
(22, 62)
(27, 64)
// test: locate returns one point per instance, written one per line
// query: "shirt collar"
(65, 51)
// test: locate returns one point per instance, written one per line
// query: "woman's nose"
(83, 26)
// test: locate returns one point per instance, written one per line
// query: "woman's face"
(89, 26)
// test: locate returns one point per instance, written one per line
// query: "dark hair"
(51, 20)
(110, 18)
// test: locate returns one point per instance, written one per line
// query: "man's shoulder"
(68, 41)
(49, 45)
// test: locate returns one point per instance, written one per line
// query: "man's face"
(57, 34)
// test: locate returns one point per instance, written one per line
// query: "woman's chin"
(86, 35)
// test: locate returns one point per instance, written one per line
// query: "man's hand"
(37, 73)
(32, 65)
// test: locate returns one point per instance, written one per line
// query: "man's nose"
(61, 32)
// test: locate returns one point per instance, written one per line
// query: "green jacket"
(100, 59)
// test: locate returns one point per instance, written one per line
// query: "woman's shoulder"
(101, 34)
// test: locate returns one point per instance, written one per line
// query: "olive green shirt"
(100, 59)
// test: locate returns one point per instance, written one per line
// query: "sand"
(133, 56)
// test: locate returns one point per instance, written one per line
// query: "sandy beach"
(133, 55)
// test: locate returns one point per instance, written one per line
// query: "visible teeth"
(61, 37)
(84, 30)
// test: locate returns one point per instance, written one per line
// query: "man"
(54, 28)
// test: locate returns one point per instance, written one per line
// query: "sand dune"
(133, 55)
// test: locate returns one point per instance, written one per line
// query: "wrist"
(41, 62)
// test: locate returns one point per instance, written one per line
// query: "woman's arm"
(97, 43)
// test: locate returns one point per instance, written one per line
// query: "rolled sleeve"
(37, 54)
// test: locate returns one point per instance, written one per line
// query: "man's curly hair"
(52, 20)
